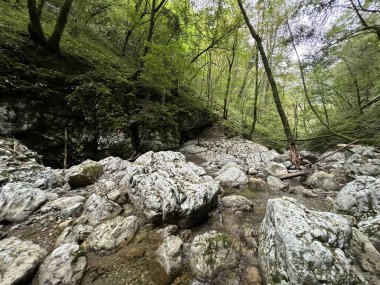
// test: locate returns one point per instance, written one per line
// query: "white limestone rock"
(74, 234)
(210, 254)
(98, 209)
(169, 255)
(19, 200)
(64, 266)
(169, 189)
(275, 169)
(232, 176)
(109, 235)
(237, 203)
(19, 260)
(66, 206)
(299, 246)
(360, 198)
(323, 180)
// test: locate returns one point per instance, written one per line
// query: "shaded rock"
(276, 183)
(210, 254)
(19, 200)
(275, 169)
(258, 184)
(237, 203)
(115, 143)
(84, 174)
(367, 256)
(232, 176)
(308, 193)
(323, 180)
(74, 234)
(19, 260)
(252, 171)
(64, 266)
(252, 276)
(300, 246)
(360, 198)
(98, 209)
(66, 206)
(310, 156)
(109, 235)
(371, 228)
(169, 255)
(168, 231)
(169, 189)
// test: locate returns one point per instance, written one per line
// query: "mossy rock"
(86, 173)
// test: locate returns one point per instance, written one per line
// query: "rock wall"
(102, 116)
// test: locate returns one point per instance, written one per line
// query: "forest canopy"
(322, 56)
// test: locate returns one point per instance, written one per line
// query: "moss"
(213, 245)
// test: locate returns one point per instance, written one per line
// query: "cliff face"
(42, 97)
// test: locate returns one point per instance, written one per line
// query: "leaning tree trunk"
(35, 30)
(53, 43)
(294, 151)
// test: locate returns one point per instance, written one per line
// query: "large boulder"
(169, 189)
(360, 198)
(19, 200)
(64, 266)
(169, 255)
(323, 180)
(109, 235)
(98, 209)
(19, 260)
(232, 176)
(210, 254)
(84, 174)
(300, 246)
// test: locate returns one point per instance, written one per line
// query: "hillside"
(85, 92)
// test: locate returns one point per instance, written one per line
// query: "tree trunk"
(35, 30)
(294, 152)
(53, 43)
(355, 83)
(254, 121)
(230, 66)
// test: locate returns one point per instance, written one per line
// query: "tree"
(36, 32)
(294, 152)
(53, 42)
(35, 29)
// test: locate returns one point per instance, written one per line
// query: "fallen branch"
(339, 149)
(295, 174)
(134, 156)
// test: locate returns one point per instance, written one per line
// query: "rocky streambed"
(213, 212)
